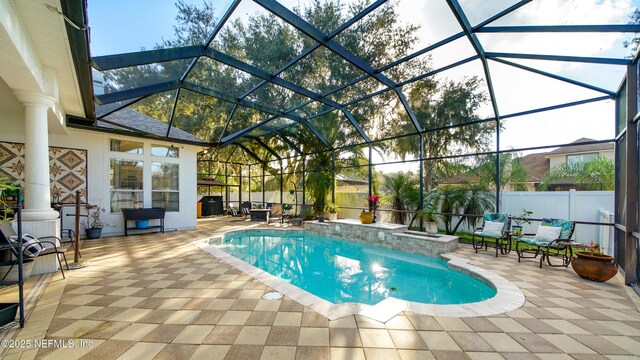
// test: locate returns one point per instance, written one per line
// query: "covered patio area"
(161, 297)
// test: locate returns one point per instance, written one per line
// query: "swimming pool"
(340, 271)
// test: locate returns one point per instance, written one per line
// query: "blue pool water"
(341, 271)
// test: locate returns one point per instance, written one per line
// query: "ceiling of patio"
(342, 83)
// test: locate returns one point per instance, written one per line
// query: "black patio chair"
(7, 233)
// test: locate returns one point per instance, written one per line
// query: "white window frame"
(177, 191)
(579, 158)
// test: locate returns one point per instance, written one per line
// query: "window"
(164, 186)
(126, 146)
(574, 159)
(166, 151)
(125, 181)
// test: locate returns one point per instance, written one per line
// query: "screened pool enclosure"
(293, 100)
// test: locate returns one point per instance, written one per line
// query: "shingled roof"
(581, 148)
(129, 119)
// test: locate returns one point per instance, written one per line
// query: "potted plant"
(428, 216)
(373, 201)
(286, 208)
(6, 187)
(332, 209)
(523, 218)
(93, 225)
(366, 217)
(594, 265)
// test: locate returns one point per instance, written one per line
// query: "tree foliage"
(266, 42)
(597, 174)
(402, 192)
(512, 171)
(634, 43)
(439, 104)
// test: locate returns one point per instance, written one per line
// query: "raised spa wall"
(391, 236)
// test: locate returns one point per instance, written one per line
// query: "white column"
(37, 204)
(39, 219)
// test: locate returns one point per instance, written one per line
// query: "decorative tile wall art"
(67, 169)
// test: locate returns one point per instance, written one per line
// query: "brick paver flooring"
(160, 297)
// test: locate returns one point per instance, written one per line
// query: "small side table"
(565, 251)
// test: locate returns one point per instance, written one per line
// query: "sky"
(515, 90)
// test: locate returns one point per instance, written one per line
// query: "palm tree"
(451, 199)
(476, 202)
(597, 174)
(401, 191)
(468, 200)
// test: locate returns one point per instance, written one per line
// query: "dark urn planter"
(93, 233)
(595, 267)
(7, 313)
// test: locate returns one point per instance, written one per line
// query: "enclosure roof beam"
(250, 153)
(137, 92)
(560, 29)
(239, 134)
(231, 154)
(583, 59)
(554, 76)
(120, 107)
(502, 13)
(215, 32)
(226, 124)
(233, 100)
(138, 58)
(297, 22)
(268, 148)
(313, 47)
(252, 70)
(293, 146)
(384, 90)
(458, 12)
(173, 111)
(407, 108)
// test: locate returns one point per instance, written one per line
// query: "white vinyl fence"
(571, 205)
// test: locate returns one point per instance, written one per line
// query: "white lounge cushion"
(493, 228)
(548, 233)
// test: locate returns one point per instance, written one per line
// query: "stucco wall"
(98, 156)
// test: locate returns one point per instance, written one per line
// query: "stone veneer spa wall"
(391, 236)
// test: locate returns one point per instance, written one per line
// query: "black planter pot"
(93, 233)
(8, 313)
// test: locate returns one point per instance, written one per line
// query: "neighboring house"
(538, 165)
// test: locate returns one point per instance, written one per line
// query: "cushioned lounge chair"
(494, 226)
(544, 244)
(300, 218)
(50, 247)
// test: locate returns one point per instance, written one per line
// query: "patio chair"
(300, 218)
(34, 247)
(244, 209)
(549, 236)
(231, 211)
(275, 214)
(494, 226)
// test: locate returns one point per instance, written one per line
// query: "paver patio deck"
(160, 297)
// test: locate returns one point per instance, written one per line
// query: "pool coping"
(508, 296)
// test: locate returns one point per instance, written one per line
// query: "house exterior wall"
(555, 160)
(98, 163)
